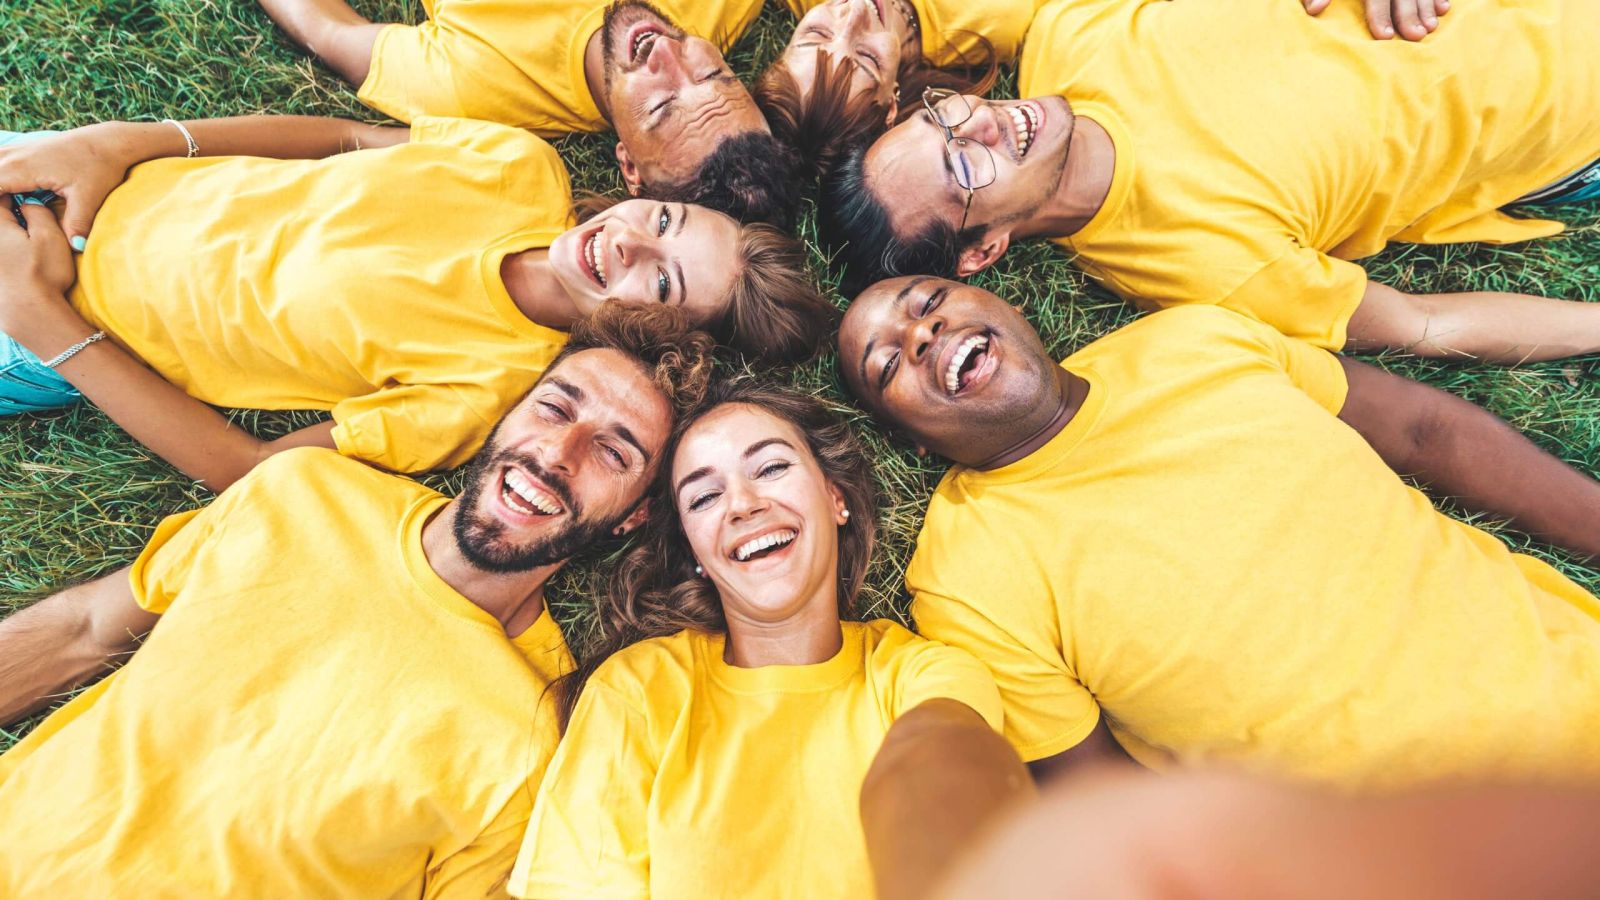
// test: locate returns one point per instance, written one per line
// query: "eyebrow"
(567, 387)
(900, 300)
(750, 451)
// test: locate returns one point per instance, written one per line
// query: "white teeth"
(596, 259)
(952, 375)
(641, 42)
(520, 488)
(756, 545)
(1022, 119)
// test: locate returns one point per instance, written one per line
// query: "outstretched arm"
(65, 639)
(85, 164)
(180, 429)
(1414, 19)
(338, 35)
(1461, 450)
(1492, 326)
(940, 776)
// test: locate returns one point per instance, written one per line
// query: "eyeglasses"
(972, 163)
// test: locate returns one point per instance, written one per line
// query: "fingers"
(41, 221)
(1440, 7)
(1380, 20)
(1315, 7)
(1410, 20)
(76, 220)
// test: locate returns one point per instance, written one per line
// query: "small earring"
(698, 570)
(845, 513)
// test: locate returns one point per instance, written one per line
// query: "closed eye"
(772, 468)
(887, 371)
(555, 411)
(701, 501)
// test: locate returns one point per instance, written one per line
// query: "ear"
(894, 110)
(630, 170)
(839, 505)
(983, 254)
(639, 516)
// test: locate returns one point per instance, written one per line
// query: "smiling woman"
(724, 640)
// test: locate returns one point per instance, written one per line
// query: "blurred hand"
(82, 165)
(1413, 19)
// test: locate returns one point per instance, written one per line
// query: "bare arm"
(85, 164)
(1098, 749)
(940, 776)
(65, 639)
(180, 429)
(1492, 326)
(1461, 450)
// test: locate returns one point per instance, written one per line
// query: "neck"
(1073, 390)
(809, 637)
(537, 292)
(515, 599)
(594, 71)
(1085, 182)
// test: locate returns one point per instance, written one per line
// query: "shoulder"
(654, 672)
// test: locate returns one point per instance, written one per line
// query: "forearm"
(1460, 450)
(940, 777)
(185, 432)
(277, 137)
(51, 647)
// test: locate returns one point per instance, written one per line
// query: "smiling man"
(343, 688)
(1252, 179)
(687, 129)
(1190, 535)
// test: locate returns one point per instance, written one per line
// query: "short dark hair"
(751, 176)
(853, 224)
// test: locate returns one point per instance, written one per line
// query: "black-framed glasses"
(972, 163)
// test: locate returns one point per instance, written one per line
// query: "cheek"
(702, 534)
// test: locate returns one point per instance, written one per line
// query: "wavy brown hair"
(823, 124)
(654, 591)
(677, 358)
(775, 314)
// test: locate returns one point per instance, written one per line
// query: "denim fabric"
(1581, 185)
(26, 385)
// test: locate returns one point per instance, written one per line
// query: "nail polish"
(78, 242)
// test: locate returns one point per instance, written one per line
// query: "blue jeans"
(25, 384)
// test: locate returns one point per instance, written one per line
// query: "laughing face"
(1026, 139)
(672, 96)
(566, 466)
(645, 251)
(870, 35)
(762, 519)
(952, 365)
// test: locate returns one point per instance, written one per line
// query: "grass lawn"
(78, 497)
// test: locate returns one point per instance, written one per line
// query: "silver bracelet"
(72, 351)
(194, 149)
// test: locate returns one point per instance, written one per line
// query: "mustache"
(557, 484)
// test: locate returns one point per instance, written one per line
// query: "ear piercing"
(698, 570)
(845, 513)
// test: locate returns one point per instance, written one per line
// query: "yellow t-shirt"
(679, 771)
(367, 283)
(316, 714)
(517, 62)
(1249, 177)
(1208, 555)
(949, 26)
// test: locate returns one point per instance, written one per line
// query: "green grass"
(77, 497)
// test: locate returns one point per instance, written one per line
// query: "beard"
(619, 17)
(488, 544)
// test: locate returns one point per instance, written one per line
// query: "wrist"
(46, 327)
(136, 142)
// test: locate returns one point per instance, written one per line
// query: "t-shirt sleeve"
(928, 670)
(411, 427)
(481, 868)
(1311, 369)
(1305, 294)
(589, 835)
(501, 142)
(1047, 710)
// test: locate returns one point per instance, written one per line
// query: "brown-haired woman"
(727, 738)
(853, 67)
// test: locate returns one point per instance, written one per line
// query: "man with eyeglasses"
(1249, 160)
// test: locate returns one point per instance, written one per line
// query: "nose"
(854, 19)
(920, 336)
(983, 126)
(629, 245)
(561, 452)
(743, 501)
(666, 59)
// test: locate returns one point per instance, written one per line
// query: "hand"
(34, 279)
(82, 165)
(1415, 19)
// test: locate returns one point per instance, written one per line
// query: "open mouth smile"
(592, 256)
(524, 494)
(1025, 123)
(970, 362)
(873, 6)
(641, 39)
(763, 546)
